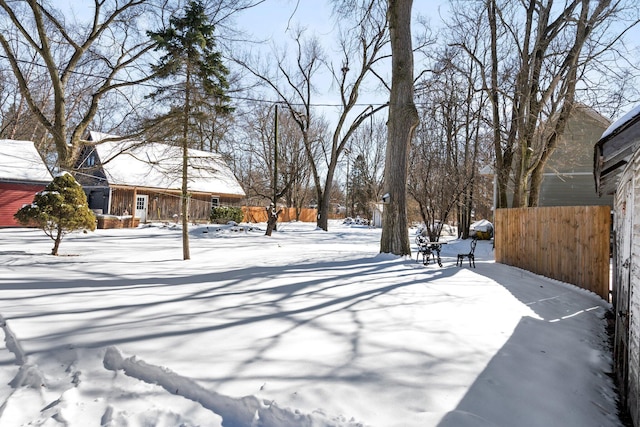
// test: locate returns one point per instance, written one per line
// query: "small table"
(428, 248)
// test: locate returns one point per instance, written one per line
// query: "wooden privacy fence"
(568, 243)
(259, 214)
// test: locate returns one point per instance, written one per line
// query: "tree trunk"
(272, 220)
(56, 242)
(185, 170)
(325, 201)
(403, 119)
(185, 203)
(323, 212)
(536, 182)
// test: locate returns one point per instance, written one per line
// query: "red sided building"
(22, 174)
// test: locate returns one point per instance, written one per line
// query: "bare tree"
(403, 119)
(537, 54)
(362, 48)
(363, 37)
(294, 88)
(80, 61)
(445, 153)
(363, 187)
(294, 168)
(255, 158)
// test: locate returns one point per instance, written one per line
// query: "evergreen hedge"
(224, 214)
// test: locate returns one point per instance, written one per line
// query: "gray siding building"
(568, 178)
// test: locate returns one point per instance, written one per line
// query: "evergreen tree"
(58, 210)
(362, 194)
(192, 61)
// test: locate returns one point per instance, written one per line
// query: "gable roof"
(21, 162)
(157, 165)
(574, 149)
(591, 113)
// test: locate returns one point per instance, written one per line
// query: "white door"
(142, 202)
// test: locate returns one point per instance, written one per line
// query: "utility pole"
(272, 209)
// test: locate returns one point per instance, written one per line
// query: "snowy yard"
(306, 328)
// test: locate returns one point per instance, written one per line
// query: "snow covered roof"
(614, 150)
(20, 161)
(157, 165)
(619, 124)
(481, 225)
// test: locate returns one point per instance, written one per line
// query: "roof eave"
(613, 152)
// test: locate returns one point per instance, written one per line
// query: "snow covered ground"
(306, 328)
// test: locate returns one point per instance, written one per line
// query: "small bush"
(60, 209)
(224, 214)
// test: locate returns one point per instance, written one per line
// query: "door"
(142, 203)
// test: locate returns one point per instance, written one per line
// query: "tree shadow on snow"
(538, 377)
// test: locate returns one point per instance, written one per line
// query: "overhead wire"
(229, 95)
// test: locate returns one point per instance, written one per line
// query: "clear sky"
(271, 19)
(274, 16)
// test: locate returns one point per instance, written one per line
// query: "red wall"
(12, 198)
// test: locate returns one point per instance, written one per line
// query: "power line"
(230, 96)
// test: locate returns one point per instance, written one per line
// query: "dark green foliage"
(224, 214)
(190, 48)
(59, 209)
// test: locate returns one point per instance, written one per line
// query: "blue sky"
(270, 20)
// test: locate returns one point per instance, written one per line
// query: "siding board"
(12, 197)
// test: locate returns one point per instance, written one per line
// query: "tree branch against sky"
(537, 54)
(296, 83)
(292, 82)
(81, 57)
(365, 37)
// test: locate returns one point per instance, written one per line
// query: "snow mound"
(464, 419)
(235, 412)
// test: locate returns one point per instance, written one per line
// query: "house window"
(91, 160)
(140, 203)
(215, 202)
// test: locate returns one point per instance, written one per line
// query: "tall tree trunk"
(501, 167)
(325, 206)
(185, 202)
(403, 119)
(322, 221)
(185, 172)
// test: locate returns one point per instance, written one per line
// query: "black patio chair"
(470, 255)
(423, 249)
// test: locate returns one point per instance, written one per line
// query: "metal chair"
(470, 255)
(423, 249)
